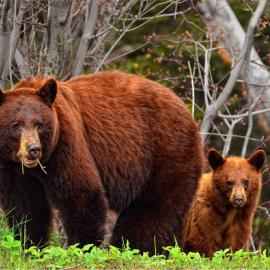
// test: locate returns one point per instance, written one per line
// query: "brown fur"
(110, 140)
(215, 221)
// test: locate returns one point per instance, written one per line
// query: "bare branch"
(227, 145)
(249, 99)
(192, 88)
(243, 114)
(213, 109)
(218, 134)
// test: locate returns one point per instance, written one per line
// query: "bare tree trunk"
(17, 22)
(58, 35)
(90, 22)
(22, 64)
(5, 36)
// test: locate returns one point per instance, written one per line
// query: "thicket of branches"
(65, 38)
(199, 48)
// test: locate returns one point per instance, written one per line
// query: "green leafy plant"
(13, 255)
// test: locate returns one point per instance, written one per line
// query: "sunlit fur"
(110, 140)
(215, 220)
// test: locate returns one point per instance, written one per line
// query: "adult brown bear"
(109, 140)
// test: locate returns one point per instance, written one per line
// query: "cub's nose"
(238, 201)
(34, 150)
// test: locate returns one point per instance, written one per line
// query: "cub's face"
(28, 124)
(237, 180)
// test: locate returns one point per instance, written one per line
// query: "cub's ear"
(215, 159)
(1, 96)
(48, 91)
(257, 159)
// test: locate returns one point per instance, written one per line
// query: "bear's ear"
(257, 159)
(215, 159)
(48, 91)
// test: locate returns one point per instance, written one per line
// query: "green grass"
(14, 256)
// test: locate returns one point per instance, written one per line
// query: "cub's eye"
(245, 183)
(229, 183)
(16, 126)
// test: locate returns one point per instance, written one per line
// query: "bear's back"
(122, 104)
(139, 123)
(122, 91)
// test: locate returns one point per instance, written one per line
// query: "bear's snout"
(34, 150)
(30, 149)
(238, 195)
(239, 201)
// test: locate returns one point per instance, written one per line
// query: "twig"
(227, 145)
(233, 116)
(235, 136)
(250, 116)
(192, 88)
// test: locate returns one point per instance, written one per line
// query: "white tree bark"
(5, 36)
(17, 22)
(11, 21)
(90, 22)
(22, 64)
(219, 15)
(58, 35)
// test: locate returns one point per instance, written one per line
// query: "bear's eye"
(39, 126)
(245, 183)
(16, 126)
(229, 183)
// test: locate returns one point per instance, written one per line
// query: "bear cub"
(222, 211)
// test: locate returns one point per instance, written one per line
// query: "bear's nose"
(34, 150)
(238, 200)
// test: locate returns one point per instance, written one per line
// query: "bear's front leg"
(83, 215)
(26, 206)
(78, 194)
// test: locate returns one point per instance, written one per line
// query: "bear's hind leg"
(155, 219)
(148, 228)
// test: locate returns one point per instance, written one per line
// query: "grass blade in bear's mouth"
(28, 163)
(42, 167)
(22, 167)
